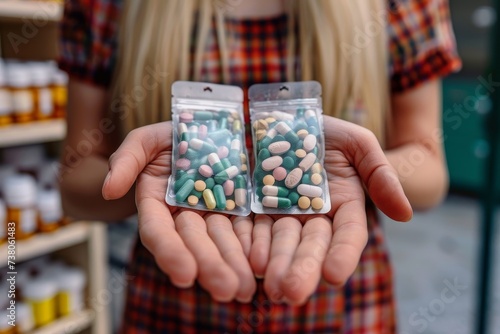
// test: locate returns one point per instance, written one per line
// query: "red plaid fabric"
(421, 48)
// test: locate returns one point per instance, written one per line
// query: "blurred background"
(70, 275)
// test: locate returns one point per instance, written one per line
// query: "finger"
(214, 274)
(303, 276)
(261, 244)
(363, 150)
(349, 239)
(138, 149)
(285, 239)
(221, 231)
(158, 234)
(242, 227)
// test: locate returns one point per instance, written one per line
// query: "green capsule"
(234, 152)
(191, 154)
(259, 173)
(299, 145)
(293, 197)
(208, 197)
(226, 163)
(210, 182)
(179, 173)
(239, 182)
(202, 146)
(292, 137)
(306, 179)
(276, 202)
(220, 197)
(300, 112)
(186, 136)
(211, 125)
(183, 179)
(220, 136)
(263, 154)
(203, 115)
(315, 151)
(259, 193)
(227, 174)
(313, 130)
(184, 191)
(196, 193)
(278, 138)
(300, 126)
(289, 162)
(264, 143)
(222, 124)
(275, 191)
(223, 114)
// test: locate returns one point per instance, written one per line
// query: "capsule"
(220, 136)
(264, 143)
(263, 154)
(203, 115)
(184, 191)
(226, 174)
(240, 191)
(214, 162)
(220, 197)
(202, 146)
(275, 191)
(309, 190)
(287, 132)
(208, 197)
(183, 179)
(209, 183)
(311, 119)
(234, 152)
(276, 202)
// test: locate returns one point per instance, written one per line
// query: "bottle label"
(5, 102)
(28, 220)
(22, 102)
(60, 95)
(45, 101)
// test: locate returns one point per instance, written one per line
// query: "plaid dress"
(421, 48)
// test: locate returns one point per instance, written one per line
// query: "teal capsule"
(292, 137)
(278, 138)
(259, 193)
(202, 146)
(196, 193)
(311, 118)
(300, 126)
(226, 163)
(184, 191)
(276, 202)
(179, 173)
(186, 136)
(259, 173)
(239, 182)
(236, 126)
(299, 145)
(196, 163)
(203, 115)
(263, 154)
(275, 191)
(220, 136)
(300, 113)
(306, 179)
(183, 179)
(227, 174)
(215, 163)
(211, 125)
(191, 154)
(289, 162)
(315, 151)
(222, 124)
(220, 197)
(210, 182)
(293, 197)
(223, 114)
(313, 130)
(235, 151)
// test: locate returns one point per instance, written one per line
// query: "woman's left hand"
(293, 253)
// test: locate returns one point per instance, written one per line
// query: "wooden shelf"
(37, 132)
(74, 323)
(29, 9)
(44, 243)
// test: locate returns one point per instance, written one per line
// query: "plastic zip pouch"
(209, 158)
(288, 141)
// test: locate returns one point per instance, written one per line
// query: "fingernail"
(104, 185)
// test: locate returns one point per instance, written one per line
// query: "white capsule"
(181, 128)
(213, 158)
(307, 162)
(282, 115)
(271, 163)
(271, 133)
(309, 143)
(232, 172)
(240, 197)
(261, 115)
(279, 147)
(282, 128)
(236, 144)
(309, 190)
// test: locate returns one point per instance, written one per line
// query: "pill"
(192, 200)
(300, 125)
(183, 164)
(271, 163)
(275, 191)
(184, 191)
(220, 198)
(276, 202)
(244, 168)
(183, 147)
(306, 179)
(230, 205)
(300, 153)
(200, 185)
(270, 120)
(260, 125)
(313, 130)
(203, 115)
(288, 163)
(196, 193)
(180, 181)
(317, 168)
(243, 158)
(307, 162)
(310, 117)
(316, 179)
(228, 187)
(302, 133)
(263, 154)
(214, 162)
(282, 115)
(293, 197)
(304, 202)
(226, 163)
(205, 171)
(203, 146)
(264, 143)
(279, 147)
(209, 183)
(220, 136)
(240, 192)
(309, 190)
(279, 173)
(236, 126)
(185, 117)
(226, 174)
(287, 132)
(208, 197)
(181, 129)
(268, 180)
(309, 143)
(317, 203)
(202, 131)
(260, 134)
(300, 112)
(222, 152)
(222, 123)
(293, 178)
(191, 154)
(234, 152)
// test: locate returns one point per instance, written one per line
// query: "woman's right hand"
(187, 244)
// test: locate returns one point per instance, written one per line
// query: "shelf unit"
(23, 134)
(18, 9)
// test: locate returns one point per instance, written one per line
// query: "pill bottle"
(5, 327)
(25, 321)
(3, 222)
(21, 198)
(22, 95)
(5, 98)
(59, 93)
(41, 78)
(71, 296)
(27, 159)
(40, 294)
(5, 172)
(50, 212)
(23, 278)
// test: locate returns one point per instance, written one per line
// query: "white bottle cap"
(72, 279)
(18, 75)
(41, 74)
(49, 205)
(20, 191)
(40, 288)
(60, 78)
(25, 319)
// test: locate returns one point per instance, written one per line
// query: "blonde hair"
(331, 40)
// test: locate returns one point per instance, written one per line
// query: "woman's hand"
(186, 244)
(293, 253)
